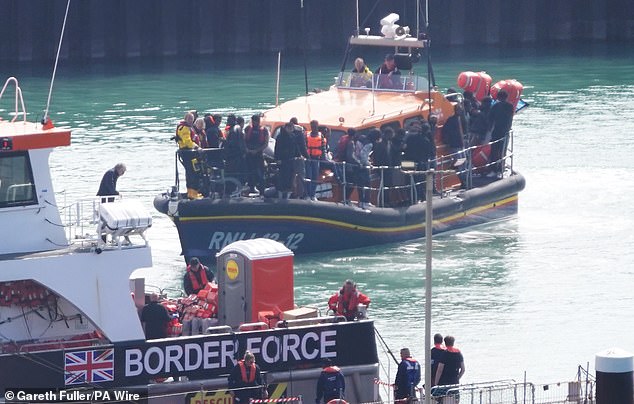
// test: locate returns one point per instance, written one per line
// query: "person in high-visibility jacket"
(187, 154)
(361, 74)
(316, 145)
(245, 380)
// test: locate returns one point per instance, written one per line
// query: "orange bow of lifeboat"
(479, 83)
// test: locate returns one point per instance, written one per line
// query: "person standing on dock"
(437, 353)
(407, 377)
(244, 375)
(108, 185)
(450, 369)
(331, 384)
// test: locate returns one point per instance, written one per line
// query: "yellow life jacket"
(184, 137)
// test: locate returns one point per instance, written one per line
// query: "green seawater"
(541, 293)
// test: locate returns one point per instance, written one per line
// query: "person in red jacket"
(346, 302)
(196, 277)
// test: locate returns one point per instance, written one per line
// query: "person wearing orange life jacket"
(316, 145)
(196, 277)
(407, 377)
(331, 384)
(346, 302)
(246, 374)
(187, 154)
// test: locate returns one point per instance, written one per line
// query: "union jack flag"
(95, 366)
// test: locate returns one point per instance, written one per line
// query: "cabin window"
(16, 180)
(394, 125)
(409, 121)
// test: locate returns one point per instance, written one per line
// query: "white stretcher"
(123, 218)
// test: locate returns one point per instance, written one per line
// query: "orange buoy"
(512, 87)
(479, 83)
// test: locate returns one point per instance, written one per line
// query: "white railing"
(86, 223)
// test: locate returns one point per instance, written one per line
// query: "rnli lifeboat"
(339, 218)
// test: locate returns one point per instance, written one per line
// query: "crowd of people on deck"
(300, 155)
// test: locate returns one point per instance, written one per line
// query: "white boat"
(67, 318)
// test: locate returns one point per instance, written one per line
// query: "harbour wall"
(117, 29)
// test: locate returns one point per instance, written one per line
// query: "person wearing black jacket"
(284, 154)
(419, 148)
(108, 185)
(500, 121)
(331, 384)
(300, 154)
(235, 148)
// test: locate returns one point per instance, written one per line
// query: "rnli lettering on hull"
(271, 350)
(221, 239)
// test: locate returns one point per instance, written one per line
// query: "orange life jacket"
(332, 369)
(315, 144)
(351, 307)
(243, 372)
(203, 277)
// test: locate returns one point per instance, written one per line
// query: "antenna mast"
(59, 48)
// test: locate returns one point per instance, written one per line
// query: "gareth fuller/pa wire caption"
(21, 395)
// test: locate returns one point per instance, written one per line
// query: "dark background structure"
(117, 29)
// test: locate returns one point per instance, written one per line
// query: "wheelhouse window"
(16, 180)
(394, 125)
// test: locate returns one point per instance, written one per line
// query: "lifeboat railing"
(458, 164)
(453, 170)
